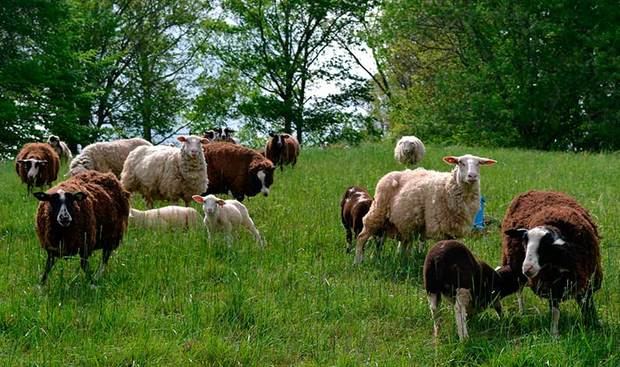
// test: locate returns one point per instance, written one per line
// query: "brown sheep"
(551, 242)
(236, 169)
(354, 204)
(37, 164)
(85, 213)
(282, 149)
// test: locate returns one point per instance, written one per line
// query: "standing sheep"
(105, 156)
(409, 150)
(37, 164)
(237, 169)
(431, 204)
(226, 215)
(163, 218)
(354, 205)
(167, 173)
(85, 213)
(282, 149)
(552, 243)
(61, 148)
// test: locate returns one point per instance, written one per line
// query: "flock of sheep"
(550, 242)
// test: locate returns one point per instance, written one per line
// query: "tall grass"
(171, 298)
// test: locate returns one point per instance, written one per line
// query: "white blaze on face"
(261, 177)
(64, 217)
(34, 168)
(531, 266)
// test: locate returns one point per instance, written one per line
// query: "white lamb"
(409, 150)
(167, 217)
(431, 204)
(105, 156)
(61, 148)
(224, 215)
(167, 173)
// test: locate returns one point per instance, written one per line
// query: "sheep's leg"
(105, 257)
(362, 238)
(497, 305)
(249, 224)
(379, 247)
(51, 260)
(463, 298)
(84, 264)
(554, 305)
(434, 301)
(349, 246)
(229, 235)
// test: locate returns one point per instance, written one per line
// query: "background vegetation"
(171, 298)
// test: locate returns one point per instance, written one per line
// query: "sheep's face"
(541, 247)
(32, 166)
(210, 203)
(192, 145)
(261, 178)
(278, 140)
(62, 204)
(468, 167)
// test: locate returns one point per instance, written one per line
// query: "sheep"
(237, 169)
(85, 213)
(226, 214)
(221, 134)
(61, 148)
(431, 204)
(354, 204)
(282, 149)
(105, 156)
(37, 164)
(167, 217)
(551, 242)
(167, 173)
(409, 150)
(451, 270)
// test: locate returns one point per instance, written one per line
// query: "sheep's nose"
(472, 177)
(528, 270)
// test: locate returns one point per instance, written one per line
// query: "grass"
(172, 299)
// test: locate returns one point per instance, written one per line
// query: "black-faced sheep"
(61, 148)
(167, 173)
(409, 150)
(237, 169)
(430, 204)
(37, 165)
(552, 243)
(354, 204)
(226, 215)
(451, 270)
(282, 149)
(168, 217)
(221, 134)
(105, 156)
(80, 215)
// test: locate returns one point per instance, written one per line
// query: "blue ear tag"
(479, 218)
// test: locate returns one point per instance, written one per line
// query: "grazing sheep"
(409, 150)
(551, 241)
(61, 148)
(226, 215)
(282, 149)
(85, 213)
(105, 156)
(37, 164)
(431, 204)
(163, 218)
(237, 169)
(451, 270)
(167, 173)
(354, 204)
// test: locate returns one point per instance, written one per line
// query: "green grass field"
(172, 299)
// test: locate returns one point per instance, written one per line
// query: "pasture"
(172, 299)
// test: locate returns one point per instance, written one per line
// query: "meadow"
(173, 299)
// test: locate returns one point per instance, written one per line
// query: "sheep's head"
(192, 145)
(468, 167)
(261, 176)
(53, 140)
(542, 245)
(32, 166)
(210, 203)
(62, 204)
(278, 139)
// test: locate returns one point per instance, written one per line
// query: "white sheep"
(105, 156)
(431, 204)
(61, 148)
(167, 217)
(409, 150)
(167, 173)
(224, 215)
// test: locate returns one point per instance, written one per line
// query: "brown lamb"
(85, 213)
(354, 204)
(37, 165)
(234, 168)
(282, 149)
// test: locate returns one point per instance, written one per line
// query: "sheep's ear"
(487, 161)
(272, 134)
(78, 196)
(220, 202)
(182, 139)
(451, 159)
(41, 196)
(559, 242)
(516, 233)
(198, 199)
(20, 161)
(204, 141)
